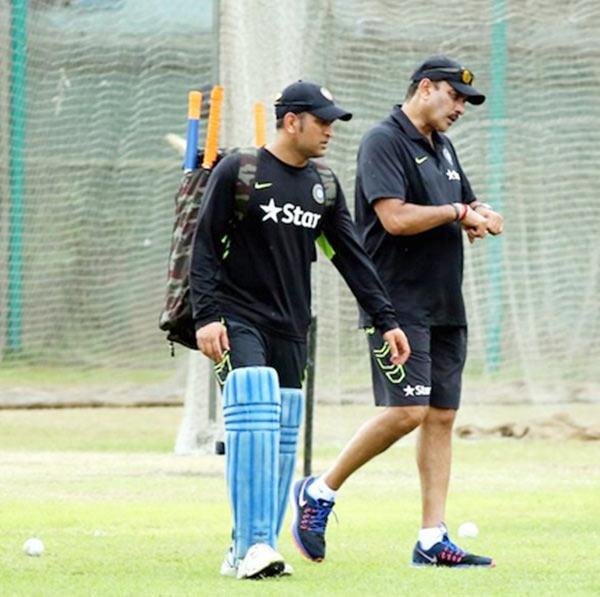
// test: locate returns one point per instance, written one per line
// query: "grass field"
(120, 515)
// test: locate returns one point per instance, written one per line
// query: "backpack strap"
(328, 181)
(245, 180)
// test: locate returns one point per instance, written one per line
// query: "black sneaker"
(308, 528)
(446, 553)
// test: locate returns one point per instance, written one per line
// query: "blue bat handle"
(191, 146)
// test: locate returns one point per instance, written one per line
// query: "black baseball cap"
(442, 68)
(306, 96)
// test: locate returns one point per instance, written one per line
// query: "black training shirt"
(422, 272)
(259, 268)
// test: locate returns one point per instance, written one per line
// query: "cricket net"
(88, 91)
(84, 233)
(530, 151)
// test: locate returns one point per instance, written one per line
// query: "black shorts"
(431, 376)
(251, 347)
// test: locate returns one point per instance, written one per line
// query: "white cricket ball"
(33, 547)
(468, 529)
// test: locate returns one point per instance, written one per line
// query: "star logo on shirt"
(409, 391)
(452, 174)
(271, 211)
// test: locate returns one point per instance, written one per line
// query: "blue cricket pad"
(291, 418)
(251, 411)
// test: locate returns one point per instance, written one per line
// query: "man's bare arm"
(400, 218)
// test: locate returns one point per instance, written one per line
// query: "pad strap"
(291, 419)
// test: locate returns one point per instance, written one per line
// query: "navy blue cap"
(306, 96)
(442, 68)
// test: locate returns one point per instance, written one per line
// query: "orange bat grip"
(212, 131)
(194, 104)
(260, 129)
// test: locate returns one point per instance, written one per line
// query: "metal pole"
(498, 60)
(310, 396)
(18, 77)
(212, 397)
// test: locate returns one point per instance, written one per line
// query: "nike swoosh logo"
(301, 499)
(262, 185)
(421, 159)
(433, 559)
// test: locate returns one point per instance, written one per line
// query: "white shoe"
(287, 570)
(229, 565)
(261, 561)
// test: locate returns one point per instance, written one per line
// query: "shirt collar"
(405, 123)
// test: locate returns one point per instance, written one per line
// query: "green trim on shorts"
(394, 373)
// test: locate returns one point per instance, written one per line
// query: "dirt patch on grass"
(559, 426)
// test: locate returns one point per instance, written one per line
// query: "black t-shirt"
(422, 272)
(259, 268)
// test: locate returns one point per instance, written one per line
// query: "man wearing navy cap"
(250, 295)
(413, 201)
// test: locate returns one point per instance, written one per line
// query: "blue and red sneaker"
(446, 553)
(310, 521)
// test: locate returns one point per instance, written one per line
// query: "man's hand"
(474, 224)
(212, 340)
(399, 347)
(494, 221)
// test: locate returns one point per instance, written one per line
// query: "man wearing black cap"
(250, 296)
(412, 202)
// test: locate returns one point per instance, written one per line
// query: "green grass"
(18, 374)
(90, 430)
(119, 515)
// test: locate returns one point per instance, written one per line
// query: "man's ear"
(290, 122)
(425, 87)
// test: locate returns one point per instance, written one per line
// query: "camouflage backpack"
(176, 318)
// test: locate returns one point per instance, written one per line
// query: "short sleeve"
(379, 169)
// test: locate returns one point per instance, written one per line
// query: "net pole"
(212, 396)
(18, 80)
(310, 396)
(493, 352)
